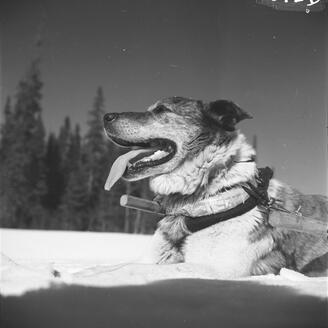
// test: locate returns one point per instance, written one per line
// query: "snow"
(29, 257)
(27, 287)
(44, 245)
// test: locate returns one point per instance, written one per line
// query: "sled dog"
(198, 165)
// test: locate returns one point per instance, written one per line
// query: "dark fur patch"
(225, 113)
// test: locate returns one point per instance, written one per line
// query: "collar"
(226, 200)
(256, 195)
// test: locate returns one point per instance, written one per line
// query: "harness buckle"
(297, 212)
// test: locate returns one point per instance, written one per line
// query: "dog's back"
(301, 248)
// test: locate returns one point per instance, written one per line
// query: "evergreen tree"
(74, 207)
(64, 143)
(6, 130)
(75, 204)
(74, 152)
(23, 160)
(64, 137)
(95, 147)
(105, 210)
(53, 174)
(6, 138)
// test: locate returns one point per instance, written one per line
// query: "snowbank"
(44, 245)
(29, 256)
(31, 297)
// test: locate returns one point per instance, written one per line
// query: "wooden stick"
(141, 204)
(276, 218)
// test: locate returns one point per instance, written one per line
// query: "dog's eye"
(160, 109)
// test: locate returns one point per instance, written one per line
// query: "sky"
(272, 63)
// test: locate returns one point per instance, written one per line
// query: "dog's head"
(169, 132)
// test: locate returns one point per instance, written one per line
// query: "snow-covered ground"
(65, 246)
(32, 298)
(28, 257)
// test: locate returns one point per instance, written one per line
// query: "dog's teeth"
(158, 154)
(155, 156)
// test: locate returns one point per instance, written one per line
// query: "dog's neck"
(215, 168)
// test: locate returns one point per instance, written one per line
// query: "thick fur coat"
(207, 158)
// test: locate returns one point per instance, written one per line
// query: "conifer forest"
(56, 180)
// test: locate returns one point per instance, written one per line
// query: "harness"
(232, 203)
(258, 195)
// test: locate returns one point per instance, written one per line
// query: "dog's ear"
(225, 113)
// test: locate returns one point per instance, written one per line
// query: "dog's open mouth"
(143, 155)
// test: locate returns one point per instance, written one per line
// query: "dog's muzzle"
(147, 148)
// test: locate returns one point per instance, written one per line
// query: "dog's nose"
(110, 117)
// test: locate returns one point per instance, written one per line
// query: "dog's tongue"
(119, 167)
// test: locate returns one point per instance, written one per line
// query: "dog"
(198, 165)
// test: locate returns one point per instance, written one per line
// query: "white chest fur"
(228, 247)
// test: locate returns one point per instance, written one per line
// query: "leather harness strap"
(258, 195)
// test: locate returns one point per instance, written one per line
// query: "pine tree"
(105, 211)
(64, 143)
(100, 154)
(64, 137)
(53, 174)
(6, 138)
(23, 160)
(6, 129)
(75, 209)
(95, 148)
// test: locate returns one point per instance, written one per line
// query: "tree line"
(55, 180)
